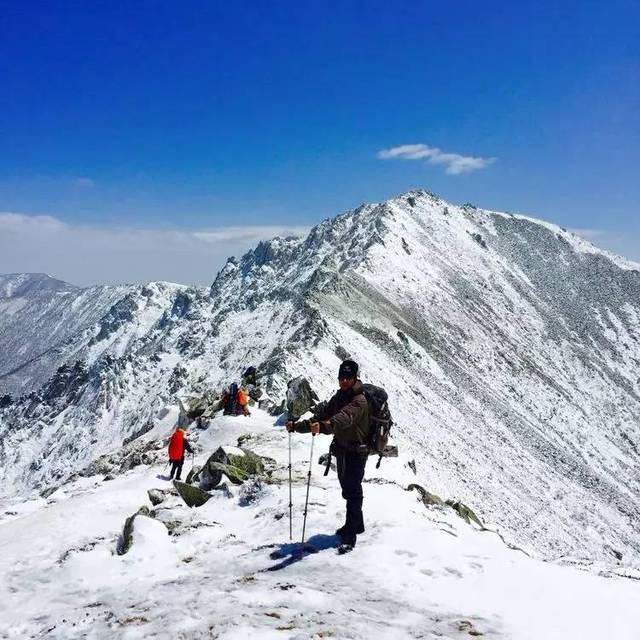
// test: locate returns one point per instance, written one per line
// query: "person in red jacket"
(177, 446)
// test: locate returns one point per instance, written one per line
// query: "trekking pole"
(290, 500)
(306, 501)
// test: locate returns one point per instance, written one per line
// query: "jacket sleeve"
(320, 411)
(187, 446)
(343, 421)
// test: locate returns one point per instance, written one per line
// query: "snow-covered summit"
(17, 285)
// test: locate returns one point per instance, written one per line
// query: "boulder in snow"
(126, 538)
(193, 496)
(193, 474)
(426, 498)
(465, 512)
(156, 496)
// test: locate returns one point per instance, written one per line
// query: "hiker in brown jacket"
(346, 417)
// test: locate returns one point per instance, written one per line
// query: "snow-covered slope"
(229, 571)
(510, 348)
(46, 322)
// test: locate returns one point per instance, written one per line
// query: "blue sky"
(163, 116)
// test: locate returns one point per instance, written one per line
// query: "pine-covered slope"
(510, 348)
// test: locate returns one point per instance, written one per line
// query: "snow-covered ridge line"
(510, 353)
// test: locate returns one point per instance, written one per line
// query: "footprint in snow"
(404, 552)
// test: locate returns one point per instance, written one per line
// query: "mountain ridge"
(510, 348)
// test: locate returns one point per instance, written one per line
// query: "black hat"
(348, 369)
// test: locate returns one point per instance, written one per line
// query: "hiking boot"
(347, 538)
(343, 530)
(344, 548)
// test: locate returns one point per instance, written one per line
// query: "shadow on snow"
(292, 552)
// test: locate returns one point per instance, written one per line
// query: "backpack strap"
(328, 466)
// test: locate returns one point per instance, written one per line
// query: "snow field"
(231, 572)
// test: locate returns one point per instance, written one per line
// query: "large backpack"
(380, 420)
(231, 406)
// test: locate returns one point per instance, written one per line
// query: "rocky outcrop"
(236, 464)
(300, 397)
(126, 538)
(465, 512)
(156, 496)
(431, 499)
(192, 495)
(128, 457)
(427, 499)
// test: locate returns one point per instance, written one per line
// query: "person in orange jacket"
(243, 401)
(177, 445)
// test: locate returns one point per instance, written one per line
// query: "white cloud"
(84, 183)
(96, 255)
(250, 234)
(455, 163)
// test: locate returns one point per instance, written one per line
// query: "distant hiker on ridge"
(235, 401)
(177, 446)
(346, 416)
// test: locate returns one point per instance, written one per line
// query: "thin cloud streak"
(455, 164)
(108, 255)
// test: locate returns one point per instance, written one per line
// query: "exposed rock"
(614, 552)
(193, 474)
(412, 465)
(300, 396)
(250, 463)
(203, 423)
(237, 464)
(126, 538)
(101, 466)
(244, 438)
(224, 489)
(48, 491)
(255, 393)
(193, 496)
(129, 456)
(156, 496)
(464, 512)
(250, 491)
(426, 497)
(204, 407)
(278, 409)
(267, 404)
(168, 516)
(145, 428)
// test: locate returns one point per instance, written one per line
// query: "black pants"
(351, 466)
(176, 466)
